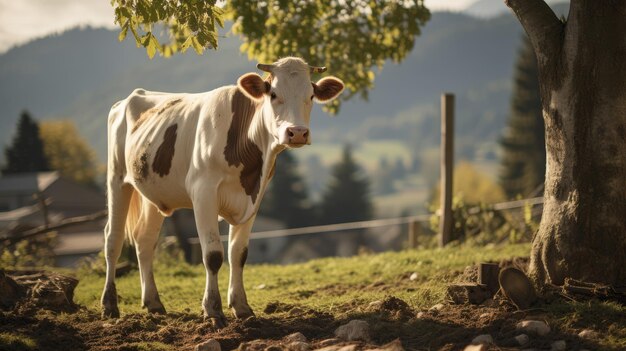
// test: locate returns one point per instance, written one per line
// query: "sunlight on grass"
(328, 284)
(16, 342)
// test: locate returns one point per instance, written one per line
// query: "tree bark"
(582, 74)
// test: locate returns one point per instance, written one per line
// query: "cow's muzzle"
(297, 136)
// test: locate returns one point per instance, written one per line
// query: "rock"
(517, 287)
(355, 330)
(420, 315)
(348, 348)
(209, 345)
(295, 337)
(559, 345)
(588, 334)
(395, 345)
(374, 305)
(480, 347)
(535, 327)
(413, 276)
(299, 345)
(107, 325)
(328, 342)
(483, 339)
(522, 339)
(437, 307)
(260, 287)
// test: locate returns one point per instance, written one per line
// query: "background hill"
(79, 74)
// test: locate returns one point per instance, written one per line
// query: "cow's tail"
(132, 216)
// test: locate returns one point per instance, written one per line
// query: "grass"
(17, 342)
(327, 284)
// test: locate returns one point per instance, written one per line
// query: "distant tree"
(347, 197)
(67, 152)
(351, 37)
(471, 185)
(26, 153)
(383, 178)
(524, 152)
(287, 197)
(399, 170)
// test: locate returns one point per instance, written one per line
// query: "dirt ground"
(451, 327)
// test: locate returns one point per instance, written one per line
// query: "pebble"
(413, 276)
(484, 315)
(559, 345)
(395, 345)
(481, 347)
(483, 339)
(588, 334)
(420, 315)
(536, 327)
(355, 330)
(437, 307)
(522, 339)
(348, 348)
(107, 325)
(209, 345)
(260, 287)
(295, 337)
(299, 346)
(328, 342)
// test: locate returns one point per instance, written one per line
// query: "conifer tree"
(26, 153)
(523, 162)
(287, 197)
(347, 197)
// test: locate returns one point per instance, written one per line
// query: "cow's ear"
(253, 86)
(327, 89)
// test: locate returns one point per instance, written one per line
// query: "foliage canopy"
(349, 36)
(25, 154)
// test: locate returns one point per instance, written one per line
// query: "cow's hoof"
(110, 312)
(157, 310)
(218, 322)
(244, 313)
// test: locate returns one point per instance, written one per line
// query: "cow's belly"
(234, 205)
(166, 195)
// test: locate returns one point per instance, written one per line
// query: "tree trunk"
(582, 74)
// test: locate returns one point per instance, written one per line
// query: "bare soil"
(450, 328)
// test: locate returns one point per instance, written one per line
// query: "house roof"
(31, 182)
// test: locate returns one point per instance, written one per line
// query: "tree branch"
(543, 28)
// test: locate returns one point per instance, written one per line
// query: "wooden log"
(45, 289)
(414, 229)
(447, 164)
(488, 275)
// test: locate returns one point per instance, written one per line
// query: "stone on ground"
(480, 347)
(559, 345)
(522, 339)
(536, 327)
(588, 334)
(483, 339)
(395, 345)
(355, 330)
(295, 337)
(299, 346)
(209, 345)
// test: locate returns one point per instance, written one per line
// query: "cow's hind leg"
(206, 214)
(119, 195)
(145, 236)
(237, 256)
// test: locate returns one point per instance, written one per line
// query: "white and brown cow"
(213, 152)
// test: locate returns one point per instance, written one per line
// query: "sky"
(24, 20)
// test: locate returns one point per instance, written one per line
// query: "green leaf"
(197, 46)
(186, 44)
(122, 34)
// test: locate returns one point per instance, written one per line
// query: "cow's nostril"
(305, 134)
(290, 133)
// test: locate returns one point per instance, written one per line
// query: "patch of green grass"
(329, 284)
(16, 342)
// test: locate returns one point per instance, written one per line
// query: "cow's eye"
(312, 96)
(273, 96)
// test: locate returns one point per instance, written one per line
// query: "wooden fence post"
(414, 229)
(447, 164)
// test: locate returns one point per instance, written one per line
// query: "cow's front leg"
(205, 212)
(237, 255)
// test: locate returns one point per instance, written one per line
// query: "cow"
(214, 152)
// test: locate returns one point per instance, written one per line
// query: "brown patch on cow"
(155, 111)
(240, 149)
(165, 153)
(244, 256)
(216, 258)
(140, 167)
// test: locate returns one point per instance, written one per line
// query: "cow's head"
(287, 97)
